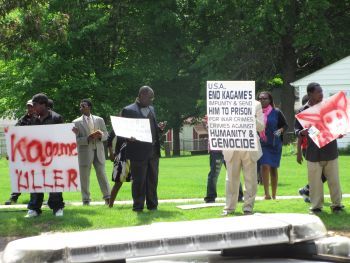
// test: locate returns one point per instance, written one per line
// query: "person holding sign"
(216, 160)
(271, 143)
(301, 151)
(91, 132)
(247, 161)
(44, 117)
(23, 121)
(144, 156)
(320, 161)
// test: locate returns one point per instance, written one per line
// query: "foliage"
(106, 50)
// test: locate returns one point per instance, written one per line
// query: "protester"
(23, 121)
(50, 104)
(118, 157)
(216, 159)
(91, 132)
(320, 160)
(271, 143)
(144, 156)
(301, 151)
(44, 117)
(247, 161)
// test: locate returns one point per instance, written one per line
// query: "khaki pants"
(85, 171)
(240, 160)
(331, 171)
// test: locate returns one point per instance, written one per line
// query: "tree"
(260, 40)
(163, 51)
(71, 51)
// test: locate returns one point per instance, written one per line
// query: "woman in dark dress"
(271, 143)
(121, 166)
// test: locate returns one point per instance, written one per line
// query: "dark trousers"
(55, 201)
(145, 181)
(216, 159)
(14, 196)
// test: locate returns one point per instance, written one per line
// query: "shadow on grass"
(18, 225)
(148, 217)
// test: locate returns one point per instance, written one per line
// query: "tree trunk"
(288, 74)
(176, 141)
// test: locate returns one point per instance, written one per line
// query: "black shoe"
(337, 209)
(240, 199)
(86, 203)
(209, 200)
(304, 194)
(137, 210)
(247, 213)
(10, 202)
(315, 211)
(152, 208)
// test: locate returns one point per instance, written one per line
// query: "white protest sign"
(231, 115)
(140, 129)
(43, 158)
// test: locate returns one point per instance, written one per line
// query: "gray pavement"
(219, 202)
(174, 201)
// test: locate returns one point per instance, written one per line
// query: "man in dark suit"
(144, 156)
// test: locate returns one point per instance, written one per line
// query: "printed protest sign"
(43, 158)
(231, 115)
(327, 120)
(140, 129)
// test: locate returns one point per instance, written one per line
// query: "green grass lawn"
(182, 177)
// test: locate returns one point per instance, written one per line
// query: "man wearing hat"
(45, 116)
(23, 121)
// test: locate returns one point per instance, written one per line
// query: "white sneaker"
(31, 213)
(227, 213)
(59, 212)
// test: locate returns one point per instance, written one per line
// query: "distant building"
(193, 137)
(332, 78)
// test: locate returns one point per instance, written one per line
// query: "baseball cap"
(30, 102)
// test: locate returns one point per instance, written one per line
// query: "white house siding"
(332, 78)
(186, 132)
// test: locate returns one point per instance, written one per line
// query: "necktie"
(90, 124)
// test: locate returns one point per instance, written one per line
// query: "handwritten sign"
(231, 115)
(43, 158)
(327, 120)
(140, 129)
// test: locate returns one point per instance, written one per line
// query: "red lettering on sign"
(33, 182)
(44, 177)
(57, 178)
(72, 177)
(17, 147)
(45, 180)
(19, 185)
(73, 148)
(40, 151)
(34, 147)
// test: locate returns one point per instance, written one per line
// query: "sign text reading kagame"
(43, 158)
(231, 115)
